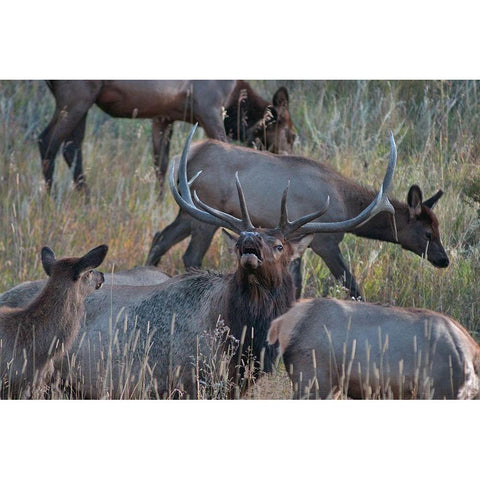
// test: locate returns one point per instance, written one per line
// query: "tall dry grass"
(343, 123)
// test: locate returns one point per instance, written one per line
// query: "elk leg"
(327, 247)
(50, 140)
(214, 129)
(168, 237)
(72, 152)
(212, 122)
(72, 101)
(202, 235)
(162, 131)
(295, 269)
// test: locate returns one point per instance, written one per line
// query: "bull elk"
(311, 183)
(360, 350)
(164, 329)
(33, 336)
(249, 117)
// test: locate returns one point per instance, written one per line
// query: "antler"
(299, 227)
(304, 226)
(208, 214)
(288, 227)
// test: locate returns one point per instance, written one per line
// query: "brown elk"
(33, 336)
(361, 350)
(169, 323)
(249, 117)
(263, 175)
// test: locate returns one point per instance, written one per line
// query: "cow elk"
(34, 336)
(249, 117)
(311, 182)
(155, 340)
(333, 348)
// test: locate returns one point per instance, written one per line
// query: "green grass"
(343, 123)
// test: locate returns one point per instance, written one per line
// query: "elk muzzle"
(99, 279)
(437, 255)
(441, 262)
(249, 246)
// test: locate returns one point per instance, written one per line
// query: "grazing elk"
(249, 117)
(33, 336)
(364, 350)
(263, 175)
(154, 338)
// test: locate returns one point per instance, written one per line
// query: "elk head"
(275, 131)
(421, 234)
(76, 270)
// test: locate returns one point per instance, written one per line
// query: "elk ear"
(48, 260)
(414, 200)
(300, 244)
(230, 239)
(90, 260)
(430, 203)
(280, 98)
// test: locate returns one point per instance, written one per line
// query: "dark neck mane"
(250, 304)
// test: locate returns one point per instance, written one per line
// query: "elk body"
(33, 336)
(138, 276)
(363, 350)
(156, 338)
(249, 117)
(311, 183)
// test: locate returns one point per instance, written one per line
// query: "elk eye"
(428, 235)
(279, 248)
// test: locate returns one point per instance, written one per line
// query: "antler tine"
(247, 223)
(190, 182)
(379, 204)
(231, 222)
(183, 196)
(183, 184)
(295, 225)
(289, 227)
(234, 223)
(392, 162)
(383, 204)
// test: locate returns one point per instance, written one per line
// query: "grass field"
(343, 123)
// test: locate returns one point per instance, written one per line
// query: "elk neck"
(380, 227)
(55, 310)
(252, 304)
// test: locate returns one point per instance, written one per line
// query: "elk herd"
(147, 335)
